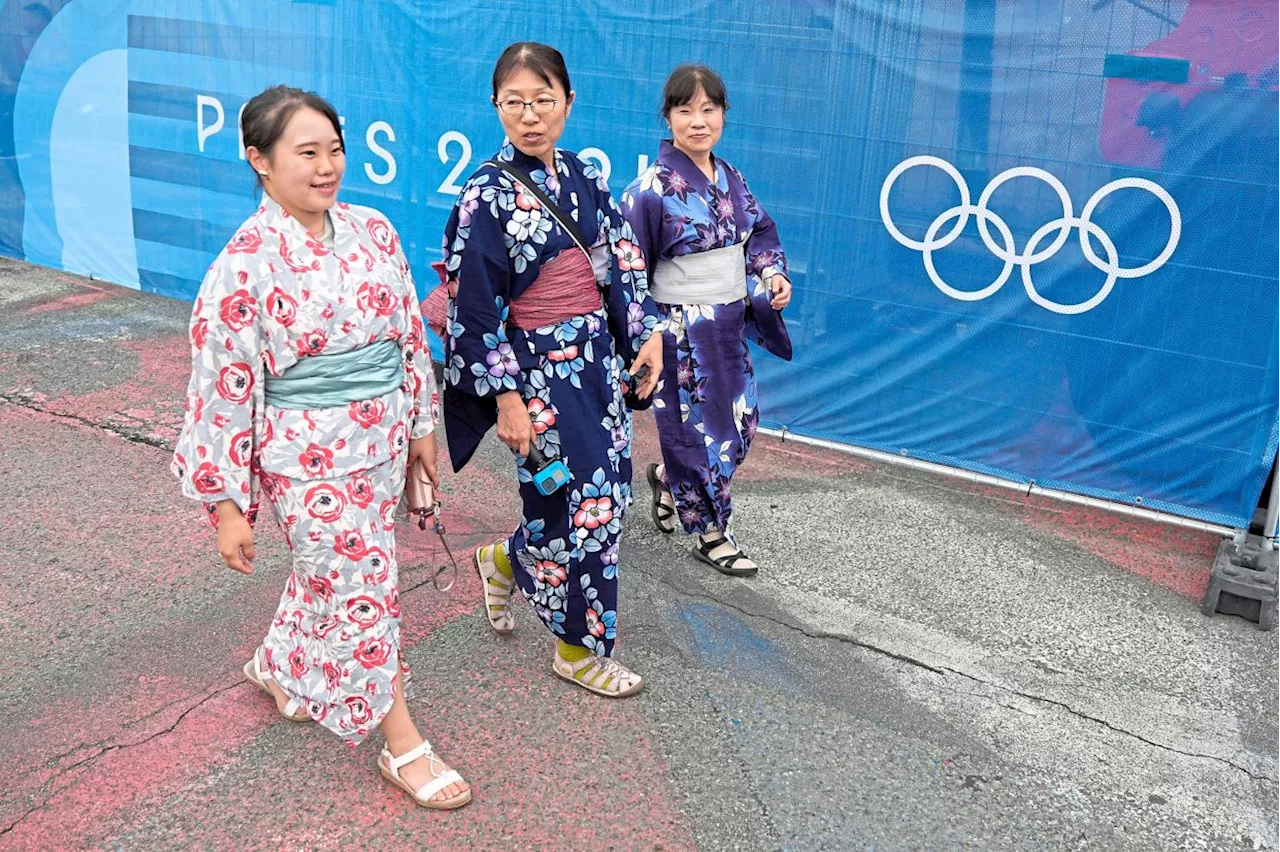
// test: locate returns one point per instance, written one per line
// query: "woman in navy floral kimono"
(719, 277)
(542, 336)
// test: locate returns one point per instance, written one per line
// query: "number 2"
(449, 187)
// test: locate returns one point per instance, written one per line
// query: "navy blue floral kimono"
(570, 374)
(707, 405)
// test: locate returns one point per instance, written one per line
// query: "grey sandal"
(663, 515)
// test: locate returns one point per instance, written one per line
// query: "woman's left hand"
(781, 288)
(650, 355)
(423, 451)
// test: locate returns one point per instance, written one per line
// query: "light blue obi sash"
(329, 381)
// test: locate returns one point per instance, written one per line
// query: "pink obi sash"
(565, 288)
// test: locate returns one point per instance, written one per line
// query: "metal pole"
(1269, 529)
(1032, 488)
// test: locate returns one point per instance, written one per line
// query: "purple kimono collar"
(678, 161)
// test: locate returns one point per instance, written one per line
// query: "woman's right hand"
(235, 538)
(515, 429)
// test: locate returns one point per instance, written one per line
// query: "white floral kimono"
(334, 476)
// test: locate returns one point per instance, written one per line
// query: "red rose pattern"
(312, 343)
(372, 653)
(282, 307)
(238, 310)
(242, 448)
(298, 662)
(359, 712)
(199, 333)
(388, 512)
(208, 479)
(326, 503)
(377, 566)
(398, 438)
(360, 490)
(235, 382)
(383, 237)
(377, 298)
(321, 588)
(368, 413)
(245, 241)
(350, 543)
(316, 460)
(363, 611)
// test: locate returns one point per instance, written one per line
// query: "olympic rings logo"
(1006, 251)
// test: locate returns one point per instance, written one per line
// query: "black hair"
(264, 118)
(542, 59)
(683, 84)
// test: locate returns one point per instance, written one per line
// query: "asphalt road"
(920, 664)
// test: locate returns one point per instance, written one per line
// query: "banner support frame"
(1024, 488)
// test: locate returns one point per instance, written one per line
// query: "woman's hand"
(781, 288)
(423, 451)
(235, 538)
(650, 356)
(515, 429)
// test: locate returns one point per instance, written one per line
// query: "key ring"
(437, 526)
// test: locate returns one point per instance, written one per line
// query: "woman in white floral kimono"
(311, 384)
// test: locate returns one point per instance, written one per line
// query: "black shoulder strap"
(570, 227)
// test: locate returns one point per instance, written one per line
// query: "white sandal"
(292, 710)
(601, 675)
(497, 589)
(390, 765)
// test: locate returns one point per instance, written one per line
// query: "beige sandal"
(601, 675)
(390, 765)
(497, 590)
(292, 710)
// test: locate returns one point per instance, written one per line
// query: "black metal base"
(1244, 583)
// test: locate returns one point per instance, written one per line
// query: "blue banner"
(1033, 240)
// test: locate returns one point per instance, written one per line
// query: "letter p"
(203, 132)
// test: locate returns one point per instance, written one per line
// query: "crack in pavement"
(124, 726)
(133, 437)
(947, 670)
(110, 748)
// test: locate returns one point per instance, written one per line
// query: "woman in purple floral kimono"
(719, 277)
(544, 326)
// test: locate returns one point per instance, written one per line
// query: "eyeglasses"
(515, 106)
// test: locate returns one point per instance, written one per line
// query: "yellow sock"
(576, 653)
(503, 580)
(500, 559)
(571, 653)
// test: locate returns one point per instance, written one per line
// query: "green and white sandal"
(602, 675)
(497, 590)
